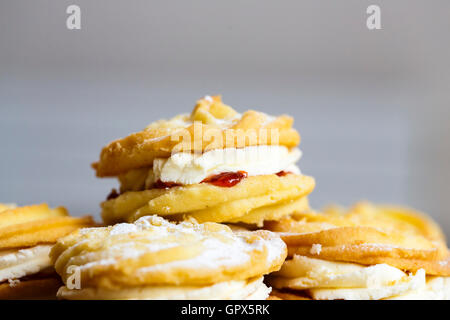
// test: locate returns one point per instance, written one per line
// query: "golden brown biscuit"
(211, 125)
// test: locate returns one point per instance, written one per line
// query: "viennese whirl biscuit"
(369, 252)
(26, 237)
(219, 126)
(212, 165)
(155, 259)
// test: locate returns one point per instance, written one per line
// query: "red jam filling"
(165, 185)
(226, 179)
(283, 173)
(112, 195)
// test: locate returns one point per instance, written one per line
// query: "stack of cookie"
(191, 188)
(178, 180)
(26, 237)
(367, 252)
(213, 165)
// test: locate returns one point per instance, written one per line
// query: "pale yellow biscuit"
(342, 280)
(211, 125)
(155, 252)
(367, 234)
(254, 199)
(7, 206)
(273, 212)
(390, 219)
(405, 259)
(370, 240)
(36, 224)
(253, 289)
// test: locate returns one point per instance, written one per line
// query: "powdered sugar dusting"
(219, 246)
(123, 228)
(316, 248)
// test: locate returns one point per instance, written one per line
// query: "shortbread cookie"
(227, 168)
(368, 234)
(369, 254)
(391, 219)
(15, 264)
(366, 252)
(26, 237)
(7, 206)
(253, 200)
(211, 125)
(156, 259)
(36, 224)
(327, 280)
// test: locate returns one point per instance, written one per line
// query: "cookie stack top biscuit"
(165, 258)
(211, 125)
(366, 252)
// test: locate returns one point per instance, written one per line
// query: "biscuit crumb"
(316, 248)
(13, 282)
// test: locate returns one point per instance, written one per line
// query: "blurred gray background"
(372, 107)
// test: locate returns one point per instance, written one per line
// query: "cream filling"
(187, 168)
(15, 264)
(437, 288)
(304, 273)
(407, 284)
(341, 280)
(194, 248)
(229, 290)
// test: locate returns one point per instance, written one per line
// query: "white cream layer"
(15, 264)
(230, 290)
(187, 168)
(329, 280)
(437, 288)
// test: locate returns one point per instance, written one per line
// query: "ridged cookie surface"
(211, 125)
(153, 251)
(368, 234)
(253, 200)
(36, 224)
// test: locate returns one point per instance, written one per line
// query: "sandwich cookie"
(213, 165)
(156, 259)
(367, 252)
(26, 237)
